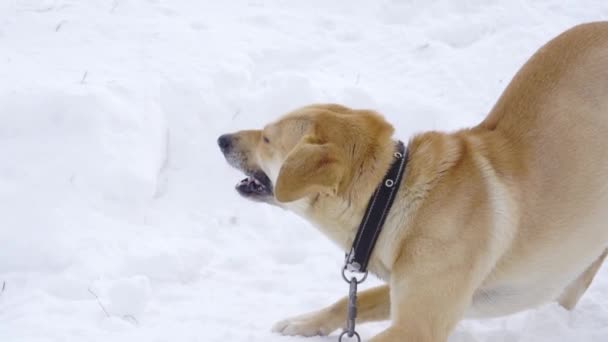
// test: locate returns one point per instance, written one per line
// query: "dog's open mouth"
(256, 185)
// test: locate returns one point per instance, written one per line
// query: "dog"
(488, 220)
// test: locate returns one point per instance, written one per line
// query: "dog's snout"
(225, 142)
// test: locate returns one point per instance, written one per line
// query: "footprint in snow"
(459, 36)
(349, 36)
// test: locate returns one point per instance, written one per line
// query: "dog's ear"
(311, 167)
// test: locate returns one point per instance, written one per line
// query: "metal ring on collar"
(398, 155)
(345, 333)
(389, 183)
(359, 281)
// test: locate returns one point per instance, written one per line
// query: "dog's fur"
(488, 221)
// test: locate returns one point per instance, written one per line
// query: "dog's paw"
(314, 324)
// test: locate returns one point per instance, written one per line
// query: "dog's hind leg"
(572, 294)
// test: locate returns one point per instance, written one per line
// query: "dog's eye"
(266, 140)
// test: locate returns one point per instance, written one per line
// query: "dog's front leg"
(427, 301)
(373, 305)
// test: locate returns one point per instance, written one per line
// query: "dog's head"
(316, 149)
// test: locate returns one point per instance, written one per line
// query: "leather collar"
(377, 210)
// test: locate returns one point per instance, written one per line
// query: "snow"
(119, 219)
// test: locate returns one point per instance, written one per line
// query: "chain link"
(351, 315)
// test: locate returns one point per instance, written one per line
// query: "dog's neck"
(338, 217)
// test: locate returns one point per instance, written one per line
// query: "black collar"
(377, 209)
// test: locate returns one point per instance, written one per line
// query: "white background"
(114, 196)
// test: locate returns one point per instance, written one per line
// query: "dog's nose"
(225, 142)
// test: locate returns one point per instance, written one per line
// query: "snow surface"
(118, 217)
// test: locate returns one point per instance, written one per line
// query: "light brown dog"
(488, 220)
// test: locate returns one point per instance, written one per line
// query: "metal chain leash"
(357, 259)
(351, 315)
